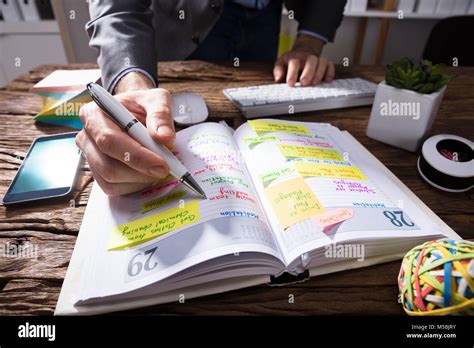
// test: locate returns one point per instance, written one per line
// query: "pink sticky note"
(333, 217)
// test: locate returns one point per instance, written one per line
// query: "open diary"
(283, 198)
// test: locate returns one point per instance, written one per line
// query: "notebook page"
(209, 153)
(303, 171)
(230, 221)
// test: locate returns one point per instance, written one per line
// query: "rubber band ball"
(436, 278)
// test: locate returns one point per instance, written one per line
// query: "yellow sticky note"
(268, 126)
(147, 228)
(293, 201)
(313, 169)
(332, 217)
(292, 151)
(163, 200)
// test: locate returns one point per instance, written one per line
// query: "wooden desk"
(32, 287)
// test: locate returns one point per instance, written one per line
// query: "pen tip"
(188, 180)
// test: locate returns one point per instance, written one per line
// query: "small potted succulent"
(406, 103)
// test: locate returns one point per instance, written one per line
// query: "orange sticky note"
(293, 201)
(333, 217)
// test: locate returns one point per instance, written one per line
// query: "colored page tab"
(333, 217)
(292, 151)
(313, 169)
(163, 200)
(267, 177)
(293, 201)
(147, 228)
(268, 127)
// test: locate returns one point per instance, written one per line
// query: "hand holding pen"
(120, 163)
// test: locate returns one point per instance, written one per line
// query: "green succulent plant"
(423, 77)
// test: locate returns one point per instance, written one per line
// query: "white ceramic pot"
(401, 117)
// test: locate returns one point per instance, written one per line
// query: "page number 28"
(397, 218)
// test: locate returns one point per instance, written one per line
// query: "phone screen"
(50, 164)
(49, 169)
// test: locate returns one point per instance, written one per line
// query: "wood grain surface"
(31, 286)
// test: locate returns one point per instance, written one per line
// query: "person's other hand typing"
(305, 56)
(119, 163)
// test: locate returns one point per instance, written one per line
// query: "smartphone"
(49, 170)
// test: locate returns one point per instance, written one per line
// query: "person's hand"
(118, 163)
(305, 56)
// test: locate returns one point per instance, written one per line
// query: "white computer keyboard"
(280, 99)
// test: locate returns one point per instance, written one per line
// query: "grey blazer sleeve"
(319, 16)
(122, 32)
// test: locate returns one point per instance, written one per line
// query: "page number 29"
(397, 218)
(137, 264)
